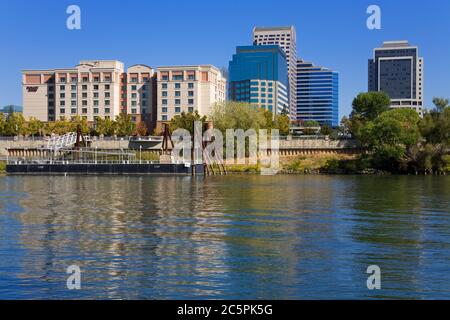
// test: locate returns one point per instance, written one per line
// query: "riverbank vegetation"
(234, 115)
(398, 140)
(14, 124)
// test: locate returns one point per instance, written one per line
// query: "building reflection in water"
(240, 237)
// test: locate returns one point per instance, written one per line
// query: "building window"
(62, 88)
(96, 79)
(164, 86)
(164, 118)
(133, 103)
(73, 103)
(62, 110)
(73, 111)
(84, 110)
(191, 77)
(85, 79)
(73, 95)
(177, 109)
(95, 102)
(133, 88)
(84, 87)
(107, 94)
(95, 94)
(177, 86)
(164, 109)
(190, 85)
(164, 78)
(177, 93)
(190, 101)
(133, 95)
(164, 93)
(190, 93)
(133, 111)
(190, 109)
(107, 86)
(84, 103)
(177, 101)
(62, 80)
(164, 101)
(84, 95)
(107, 102)
(107, 110)
(95, 86)
(96, 110)
(177, 78)
(62, 95)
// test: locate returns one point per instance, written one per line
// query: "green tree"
(282, 123)
(367, 107)
(185, 121)
(237, 115)
(15, 124)
(326, 130)
(2, 124)
(141, 129)
(124, 125)
(34, 127)
(441, 104)
(391, 136)
(370, 105)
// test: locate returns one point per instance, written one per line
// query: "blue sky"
(329, 33)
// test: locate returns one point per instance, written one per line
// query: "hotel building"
(188, 89)
(286, 38)
(397, 70)
(258, 75)
(317, 94)
(97, 88)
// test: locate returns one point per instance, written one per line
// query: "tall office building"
(397, 70)
(258, 75)
(286, 38)
(317, 94)
(188, 89)
(92, 89)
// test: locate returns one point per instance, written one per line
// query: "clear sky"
(329, 33)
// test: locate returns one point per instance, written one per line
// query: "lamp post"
(140, 154)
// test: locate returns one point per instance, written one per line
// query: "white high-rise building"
(286, 38)
(398, 70)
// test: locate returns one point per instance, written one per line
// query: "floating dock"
(104, 168)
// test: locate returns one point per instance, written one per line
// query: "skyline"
(325, 41)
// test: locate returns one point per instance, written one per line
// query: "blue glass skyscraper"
(258, 75)
(317, 94)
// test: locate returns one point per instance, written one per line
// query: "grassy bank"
(2, 167)
(312, 164)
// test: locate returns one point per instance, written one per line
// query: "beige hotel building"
(188, 89)
(91, 89)
(102, 88)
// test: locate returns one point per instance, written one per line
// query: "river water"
(234, 237)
